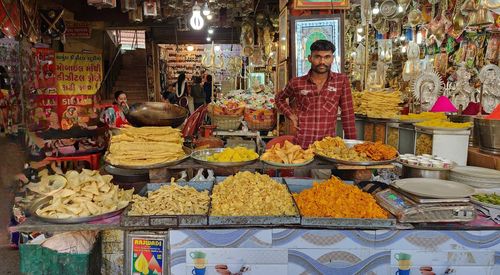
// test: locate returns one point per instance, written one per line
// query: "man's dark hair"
(118, 93)
(322, 45)
(209, 78)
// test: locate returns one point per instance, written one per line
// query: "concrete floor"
(11, 162)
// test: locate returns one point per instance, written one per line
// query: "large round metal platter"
(478, 172)
(426, 168)
(288, 165)
(434, 188)
(153, 166)
(356, 163)
(484, 204)
(201, 157)
(442, 128)
(411, 121)
(351, 143)
(43, 202)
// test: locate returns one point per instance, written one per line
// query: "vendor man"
(313, 99)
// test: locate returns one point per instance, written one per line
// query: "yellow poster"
(78, 73)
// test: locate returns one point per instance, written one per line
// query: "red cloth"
(120, 117)
(317, 109)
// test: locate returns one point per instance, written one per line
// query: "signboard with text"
(78, 73)
(148, 255)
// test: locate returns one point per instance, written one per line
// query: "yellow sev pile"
(336, 199)
(145, 146)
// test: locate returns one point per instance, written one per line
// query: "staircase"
(132, 77)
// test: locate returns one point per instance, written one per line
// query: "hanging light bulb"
(196, 21)
(376, 10)
(206, 9)
(209, 17)
(210, 31)
(217, 48)
(209, 39)
(400, 9)
(190, 48)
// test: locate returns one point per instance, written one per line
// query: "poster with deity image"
(307, 30)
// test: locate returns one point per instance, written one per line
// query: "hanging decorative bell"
(481, 17)
(469, 6)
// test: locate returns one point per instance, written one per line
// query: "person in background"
(197, 92)
(207, 89)
(115, 115)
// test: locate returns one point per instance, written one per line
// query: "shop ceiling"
(168, 28)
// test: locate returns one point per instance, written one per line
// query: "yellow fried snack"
(171, 199)
(378, 104)
(145, 146)
(235, 154)
(336, 199)
(443, 123)
(85, 194)
(251, 194)
(334, 147)
(422, 116)
(288, 154)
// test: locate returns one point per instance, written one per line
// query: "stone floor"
(11, 162)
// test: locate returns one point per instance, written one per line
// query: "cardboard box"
(478, 158)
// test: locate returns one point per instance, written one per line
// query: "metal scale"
(414, 209)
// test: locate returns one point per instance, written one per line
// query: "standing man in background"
(316, 97)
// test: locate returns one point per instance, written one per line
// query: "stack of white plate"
(476, 176)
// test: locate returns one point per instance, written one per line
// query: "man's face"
(122, 100)
(321, 61)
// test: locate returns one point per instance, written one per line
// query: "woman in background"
(115, 115)
(207, 89)
(197, 92)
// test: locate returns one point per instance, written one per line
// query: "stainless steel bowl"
(474, 135)
(411, 172)
(489, 134)
(156, 114)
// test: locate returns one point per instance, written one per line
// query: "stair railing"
(106, 87)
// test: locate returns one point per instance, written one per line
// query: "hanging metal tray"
(201, 157)
(254, 220)
(152, 166)
(167, 220)
(43, 202)
(297, 185)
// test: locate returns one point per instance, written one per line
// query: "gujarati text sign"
(78, 73)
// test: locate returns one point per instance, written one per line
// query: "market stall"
(227, 188)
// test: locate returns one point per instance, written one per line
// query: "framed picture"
(282, 75)
(283, 4)
(256, 78)
(320, 5)
(307, 30)
(283, 35)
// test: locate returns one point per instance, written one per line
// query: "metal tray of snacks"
(297, 185)
(167, 220)
(288, 165)
(201, 157)
(351, 143)
(153, 166)
(254, 220)
(46, 200)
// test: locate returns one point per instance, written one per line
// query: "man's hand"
(295, 121)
